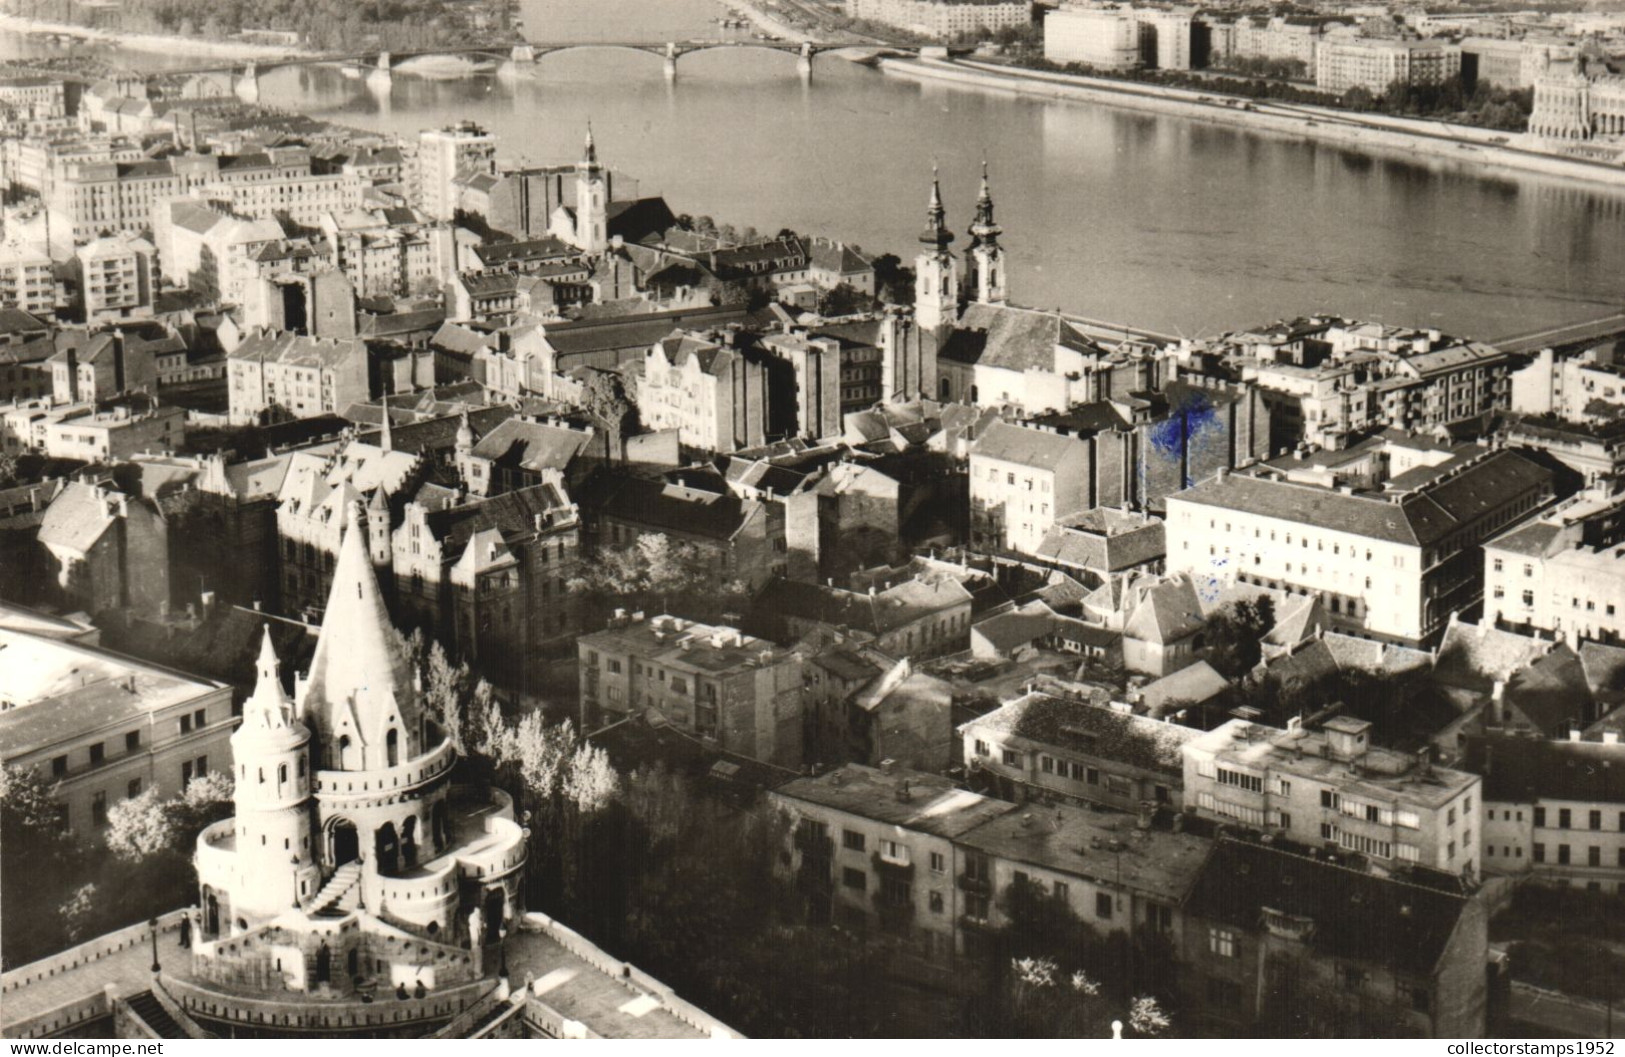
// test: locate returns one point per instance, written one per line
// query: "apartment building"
(1561, 572)
(1045, 747)
(27, 279)
(1390, 543)
(1554, 811)
(116, 277)
(742, 693)
(1329, 787)
(917, 616)
(942, 20)
(1374, 64)
(708, 388)
(101, 727)
(290, 374)
(1278, 945)
(1104, 38)
(873, 850)
(1023, 479)
(446, 155)
(114, 434)
(1585, 387)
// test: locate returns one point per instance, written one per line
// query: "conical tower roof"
(984, 229)
(936, 231)
(360, 673)
(268, 724)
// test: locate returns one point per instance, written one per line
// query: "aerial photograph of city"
(784, 519)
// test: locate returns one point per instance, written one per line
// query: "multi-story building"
(1391, 557)
(26, 349)
(105, 552)
(743, 540)
(708, 388)
(98, 365)
(27, 279)
(80, 431)
(943, 20)
(490, 577)
(289, 374)
(1560, 573)
(1554, 811)
(1573, 102)
(380, 254)
(742, 693)
(1276, 944)
(1585, 387)
(1290, 37)
(1054, 748)
(1331, 788)
(834, 377)
(116, 279)
(210, 251)
(873, 850)
(33, 98)
(446, 155)
(1376, 64)
(1104, 38)
(1022, 480)
(918, 617)
(1594, 451)
(101, 727)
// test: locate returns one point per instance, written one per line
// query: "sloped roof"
(1190, 685)
(877, 613)
(1169, 612)
(1021, 339)
(1475, 656)
(1025, 446)
(1519, 770)
(533, 446)
(661, 506)
(79, 516)
(1018, 627)
(1551, 692)
(1356, 916)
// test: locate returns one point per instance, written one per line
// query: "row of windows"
(1565, 818)
(1593, 854)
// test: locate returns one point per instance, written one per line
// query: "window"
(1563, 818)
(98, 809)
(935, 901)
(976, 867)
(186, 724)
(852, 841)
(200, 718)
(981, 748)
(1250, 782)
(1103, 906)
(1282, 787)
(1062, 892)
(133, 789)
(1540, 818)
(938, 862)
(98, 752)
(976, 906)
(854, 879)
(1538, 853)
(132, 741)
(892, 851)
(59, 767)
(1330, 798)
(1596, 820)
(1221, 942)
(1593, 856)
(1562, 855)
(1012, 758)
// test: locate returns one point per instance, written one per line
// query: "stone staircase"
(146, 1007)
(342, 892)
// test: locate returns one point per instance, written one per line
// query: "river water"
(1156, 221)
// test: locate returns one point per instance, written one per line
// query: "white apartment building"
(1391, 557)
(1330, 788)
(27, 279)
(711, 393)
(1022, 479)
(444, 154)
(294, 375)
(1374, 64)
(943, 21)
(1580, 388)
(115, 278)
(1562, 573)
(1105, 38)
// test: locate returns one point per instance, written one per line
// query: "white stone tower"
(592, 201)
(936, 272)
(276, 866)
(986, 281)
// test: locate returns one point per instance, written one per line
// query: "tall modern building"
(444, 154)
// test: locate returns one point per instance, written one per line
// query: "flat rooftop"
(916, 800)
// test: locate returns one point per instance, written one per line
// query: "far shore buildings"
(942, 20)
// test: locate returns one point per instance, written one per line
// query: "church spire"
(984, 230)
(386, 439)
(269, 704)
(589, 151)
(936, 231)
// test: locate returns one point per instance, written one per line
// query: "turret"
(936, 273)
(272, 771)
(986, 281)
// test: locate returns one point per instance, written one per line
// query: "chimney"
(888, 766)
(1575, 734)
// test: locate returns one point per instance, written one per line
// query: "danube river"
(1157, 221)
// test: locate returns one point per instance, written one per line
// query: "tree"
(656, 571)
(605, 398)
(140, 827)
(78, 911)
(894, 283)
(8, 468)
(1234, 634)
(844, 300)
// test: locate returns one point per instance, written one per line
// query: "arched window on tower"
(281, 774)
(392, 746)
(344, 752)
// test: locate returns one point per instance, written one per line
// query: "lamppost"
(153, 924)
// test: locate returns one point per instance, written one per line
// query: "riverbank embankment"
(214, 49)
(1468, 147)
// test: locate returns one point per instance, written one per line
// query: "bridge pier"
(380, 81)
(523, 53)
(384, 61)
(247, 86)
(804, 62)
(671, 63)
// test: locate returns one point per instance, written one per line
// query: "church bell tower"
(986, 281)
(936, 272)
